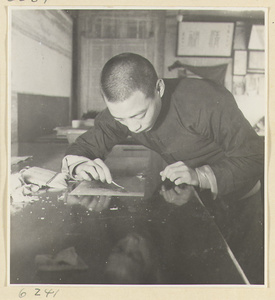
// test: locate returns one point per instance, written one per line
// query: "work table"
(166, 237)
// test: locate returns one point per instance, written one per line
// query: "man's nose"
(133, 125)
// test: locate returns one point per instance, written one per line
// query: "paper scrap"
(17, 159)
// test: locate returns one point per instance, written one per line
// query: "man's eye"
(140, 116)
(120, 120)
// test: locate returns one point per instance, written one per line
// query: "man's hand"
(93, 169)
(179, 173)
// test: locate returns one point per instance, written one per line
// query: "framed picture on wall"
(205, 39)
(256, 61)
(240, 62)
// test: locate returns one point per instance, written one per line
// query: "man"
(197, 128)
(194, 124)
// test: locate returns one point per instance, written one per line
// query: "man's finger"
(163, 173)
(100, 172)
(84, 175)
(180, 181)
(105, 169)
(95, 171)
(179, 174)
(170, 171)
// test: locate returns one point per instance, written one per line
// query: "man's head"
(126, 73)
(132, 91)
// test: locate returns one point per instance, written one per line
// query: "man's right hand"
(93, 169)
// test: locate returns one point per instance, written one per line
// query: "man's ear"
(160, 86)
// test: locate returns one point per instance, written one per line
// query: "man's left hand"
(179, 173)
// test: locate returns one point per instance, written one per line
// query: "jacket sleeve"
(244, 150)
(98, 141)
(217, 117)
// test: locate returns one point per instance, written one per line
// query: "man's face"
(138, 112)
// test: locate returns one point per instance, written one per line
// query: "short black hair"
(126, 73)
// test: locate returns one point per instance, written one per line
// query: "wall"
(103, 34)
(252, 103)
(170, 53)
(41, 58)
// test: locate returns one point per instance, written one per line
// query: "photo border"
(135, 292)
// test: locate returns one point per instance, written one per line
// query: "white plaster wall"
(37, 69)
(41, 52)
(40, 56)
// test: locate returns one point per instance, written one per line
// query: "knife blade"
(119, 186)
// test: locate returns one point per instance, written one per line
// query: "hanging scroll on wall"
(205, 39)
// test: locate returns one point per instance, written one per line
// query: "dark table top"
(165, 237)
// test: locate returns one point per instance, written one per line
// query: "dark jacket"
(199, 124)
